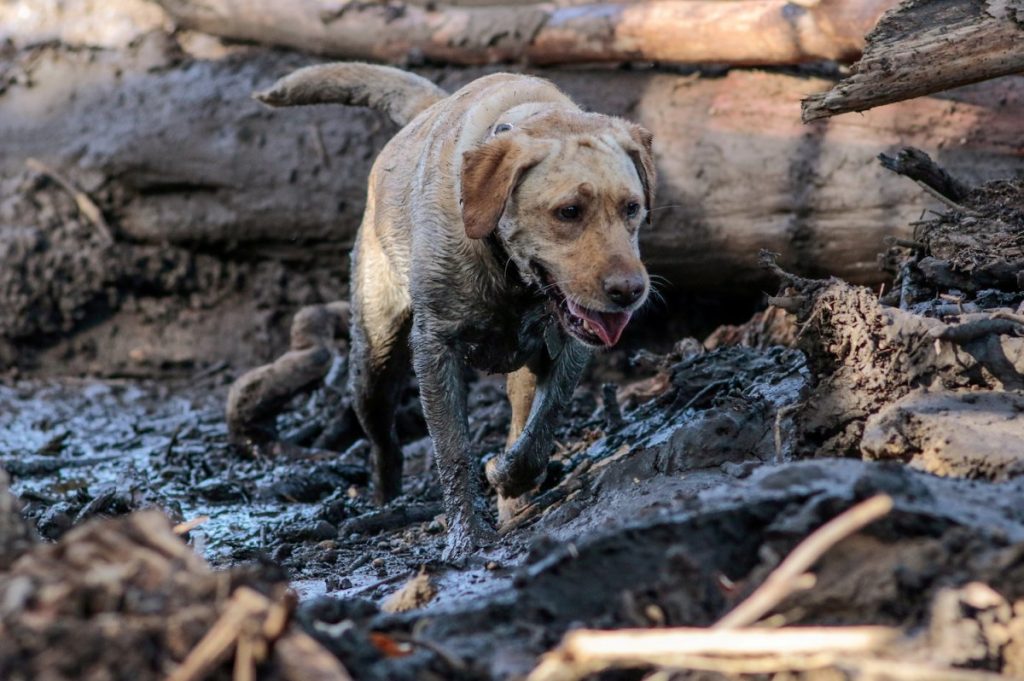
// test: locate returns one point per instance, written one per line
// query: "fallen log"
(193, 161)
(743, 32)
(923, 47)
(228, 217)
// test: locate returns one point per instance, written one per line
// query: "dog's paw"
(509, 508)
(492, 473)
(465, 539)
(517, 471)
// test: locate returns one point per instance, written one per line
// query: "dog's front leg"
(517, 470)
(439, 370)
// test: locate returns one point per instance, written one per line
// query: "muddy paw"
(464, 539)
(509, 507)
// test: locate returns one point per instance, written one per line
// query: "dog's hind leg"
(521, 386)
(379, 360)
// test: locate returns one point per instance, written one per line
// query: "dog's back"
(417, 171)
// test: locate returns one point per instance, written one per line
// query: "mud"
(689, 462)
(679, 482)
(640, 523)
(933, 359)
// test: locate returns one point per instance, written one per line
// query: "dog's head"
(567, 194)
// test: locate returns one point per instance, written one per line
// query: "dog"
(501, 234)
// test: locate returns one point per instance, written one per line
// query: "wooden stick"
(189, 525)
(245, 659)
(786, 576)
(946, 200)
(216, 645)
(586, 651)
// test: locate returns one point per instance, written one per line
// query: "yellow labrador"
(500, 233)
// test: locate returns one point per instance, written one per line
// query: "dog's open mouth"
(593, 327)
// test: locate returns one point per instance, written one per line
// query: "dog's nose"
(624, 288)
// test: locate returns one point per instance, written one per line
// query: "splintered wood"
(253, 626)
(923, 47)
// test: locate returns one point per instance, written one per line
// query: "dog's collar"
(502, 258)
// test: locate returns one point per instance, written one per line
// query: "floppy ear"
(639, 150)
(489, 174)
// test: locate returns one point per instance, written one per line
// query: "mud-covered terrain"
(163, 239)
(674, 490)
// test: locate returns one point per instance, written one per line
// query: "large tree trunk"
(928, 46)
(740, 32)
(243, 213)
(187, 157)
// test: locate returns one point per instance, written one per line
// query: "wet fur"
(427, 287)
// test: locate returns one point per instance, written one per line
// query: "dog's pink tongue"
(609, 325)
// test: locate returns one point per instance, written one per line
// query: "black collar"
(505, 264)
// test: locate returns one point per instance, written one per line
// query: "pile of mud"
(930, 372)
(61, 276)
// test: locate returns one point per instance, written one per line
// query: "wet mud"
(172, 457)
(675, 489)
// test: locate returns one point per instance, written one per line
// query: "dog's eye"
(502, 127)
(568, 213)
(632, 209)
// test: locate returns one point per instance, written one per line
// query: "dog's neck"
(502, 259)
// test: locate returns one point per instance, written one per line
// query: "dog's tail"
(399, 94)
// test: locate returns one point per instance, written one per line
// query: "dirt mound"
(930, 363)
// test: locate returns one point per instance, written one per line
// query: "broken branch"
(918, 166)
(218, 642)
(923, 47)
(786, 578)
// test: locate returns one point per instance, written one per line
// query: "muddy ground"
(720, 456)
(688, 464)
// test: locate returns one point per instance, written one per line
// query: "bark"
(927, 46)
(683, 31)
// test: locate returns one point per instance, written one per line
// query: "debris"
(737, 651)
(415, 593)
(791, 574)
(127, 594)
